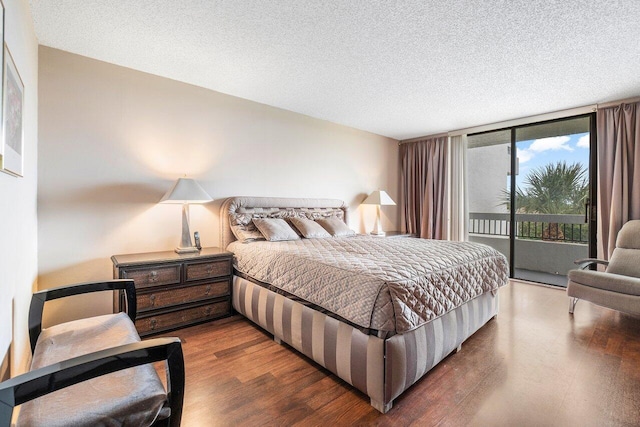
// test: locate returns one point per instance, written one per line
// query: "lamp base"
(377, 228)
(187, 250)
(186, 245)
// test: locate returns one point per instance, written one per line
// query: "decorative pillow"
(246, 233)
(290, 224)
(336, 227)
(309, 229)
(275, 229)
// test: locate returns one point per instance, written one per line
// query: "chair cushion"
(606, 281)
(629, 235)
(625, 262)
(133, 396)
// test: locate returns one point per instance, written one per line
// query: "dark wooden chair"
(84, 390)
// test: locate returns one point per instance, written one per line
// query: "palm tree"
(553, 189)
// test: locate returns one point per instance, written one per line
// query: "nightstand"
(174, 291)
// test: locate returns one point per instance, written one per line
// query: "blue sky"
(535, 153)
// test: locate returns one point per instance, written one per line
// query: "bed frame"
(380, 368)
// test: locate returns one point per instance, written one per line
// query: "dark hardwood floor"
(535, 365)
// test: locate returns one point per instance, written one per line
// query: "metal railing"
(549, 227)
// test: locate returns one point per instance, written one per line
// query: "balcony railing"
(548, 227)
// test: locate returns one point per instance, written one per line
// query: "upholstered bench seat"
(133, 396)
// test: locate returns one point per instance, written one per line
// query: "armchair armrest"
(39, 298)
(48, 379)
(586, 262)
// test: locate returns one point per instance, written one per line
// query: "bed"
(377, 312)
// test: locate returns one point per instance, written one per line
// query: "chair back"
(625, 259)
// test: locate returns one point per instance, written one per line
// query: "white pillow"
(246, 233)
(336, 227)
(309, 229)
(275, 229)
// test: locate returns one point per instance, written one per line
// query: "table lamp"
(378, 197)
(186, 191)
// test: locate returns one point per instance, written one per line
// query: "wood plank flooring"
(535, 365)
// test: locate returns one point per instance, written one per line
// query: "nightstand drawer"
(161, 322)
(153, 276)
(166, 298)
(206, 270)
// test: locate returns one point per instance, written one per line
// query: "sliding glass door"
(488, 189)
(530, 196)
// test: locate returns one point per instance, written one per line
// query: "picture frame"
(12, 117)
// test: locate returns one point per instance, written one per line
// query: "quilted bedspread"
(379, 283)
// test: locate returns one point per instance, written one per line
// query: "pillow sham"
(246, 233)
(275, 229)
(336, 227)
(309, 229)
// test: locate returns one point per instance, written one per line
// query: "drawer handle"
(152, 299)
(209, 269)
(208, 311)
(154, 322)
(153, 276)
(207, 290)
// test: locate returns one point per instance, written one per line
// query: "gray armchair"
(618, 287)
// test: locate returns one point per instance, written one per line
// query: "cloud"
(552, 143)
(583, 142)
(544, 144)
(524, 155)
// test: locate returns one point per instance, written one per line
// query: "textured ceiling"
(396, 68)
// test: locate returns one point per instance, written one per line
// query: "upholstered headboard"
(236, 210)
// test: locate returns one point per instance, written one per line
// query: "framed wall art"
(12, 117)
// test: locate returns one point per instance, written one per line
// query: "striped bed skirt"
(381, 368)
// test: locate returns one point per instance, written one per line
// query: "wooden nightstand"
(174, 291)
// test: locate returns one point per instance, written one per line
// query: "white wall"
(18, 220)
(113, 140)
(488, 170)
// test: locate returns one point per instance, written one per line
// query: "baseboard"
(5, 371)
(543, 285)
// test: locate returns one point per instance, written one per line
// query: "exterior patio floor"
(540, 277)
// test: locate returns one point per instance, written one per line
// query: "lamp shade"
(186, 190)
(378, 197)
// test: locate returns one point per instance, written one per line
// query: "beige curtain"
(424, 171)
(618, 171)
(458, 205)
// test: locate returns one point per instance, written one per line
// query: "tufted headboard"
(236, 210)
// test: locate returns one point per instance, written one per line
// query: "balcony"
(545, 245)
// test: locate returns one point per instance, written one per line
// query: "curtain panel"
(424, 172)
(457, 187)
(618, 130)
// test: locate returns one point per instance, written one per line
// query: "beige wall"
(18, 221)
(113, 140)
